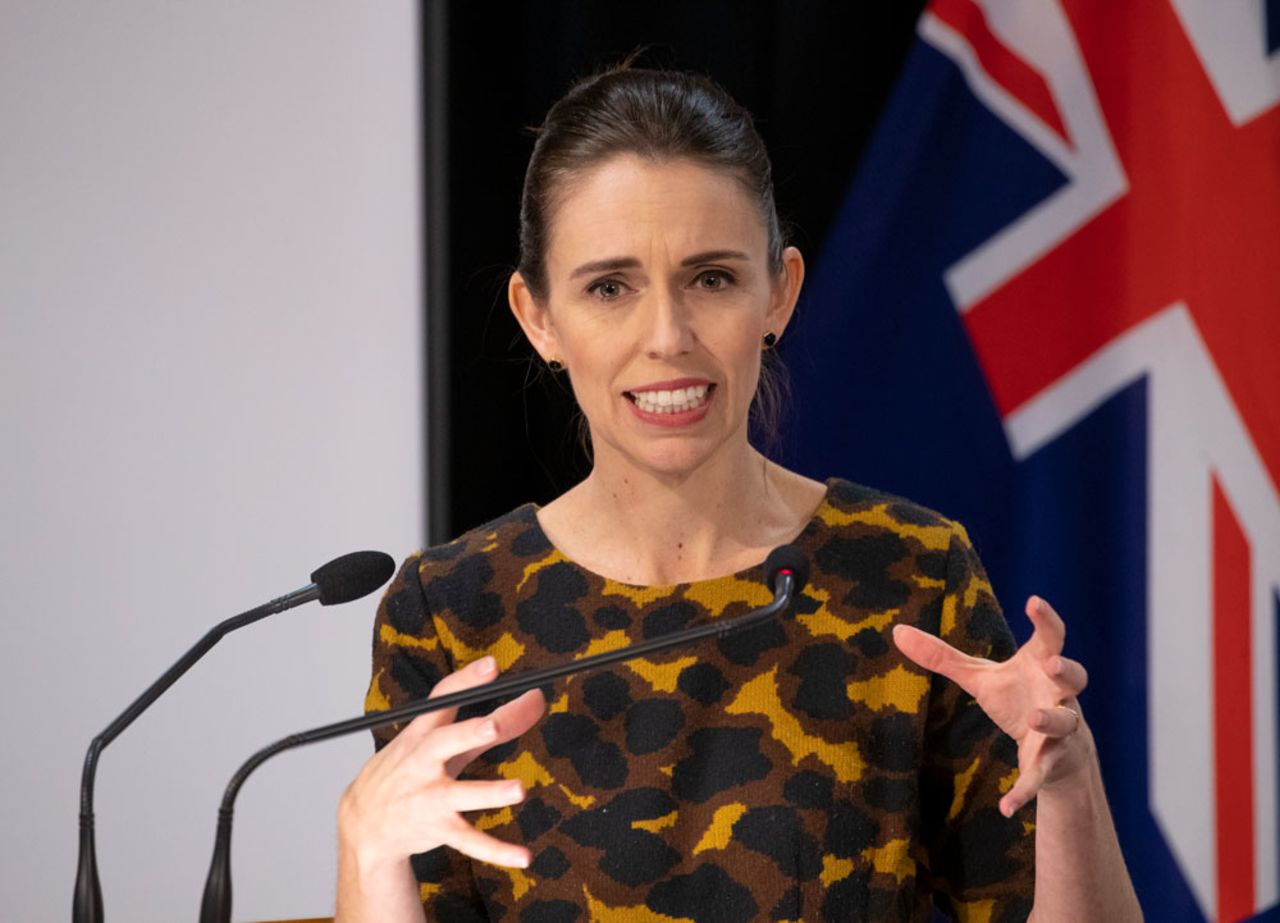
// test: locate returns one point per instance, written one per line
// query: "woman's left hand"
(1031, 697)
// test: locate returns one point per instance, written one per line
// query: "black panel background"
(815, 74)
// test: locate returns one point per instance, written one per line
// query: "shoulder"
(855, 508)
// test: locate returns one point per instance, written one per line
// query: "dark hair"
(659, 115)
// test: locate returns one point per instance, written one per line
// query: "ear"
(533, 318)
(786, 291)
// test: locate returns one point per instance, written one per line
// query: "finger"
(443, 744)
(1070, 675)
(932, 653)
(467, 839)
(1026, 788)
(1050, 631)
(514, 718)
(1062, 721)
(476, 673)
(481, 796)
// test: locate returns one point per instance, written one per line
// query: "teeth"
(671, 401)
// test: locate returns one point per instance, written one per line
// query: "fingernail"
(488, 730)
(516, 790)
(520, 860)
(486, 665)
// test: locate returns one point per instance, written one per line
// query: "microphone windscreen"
(352, 576)
(787, 557)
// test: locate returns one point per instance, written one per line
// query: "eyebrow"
(630, 262)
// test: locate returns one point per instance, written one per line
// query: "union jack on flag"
(1050, 308)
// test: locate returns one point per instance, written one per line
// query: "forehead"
(631, 206)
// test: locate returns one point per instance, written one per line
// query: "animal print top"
(798, 770)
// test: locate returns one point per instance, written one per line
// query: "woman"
(808, 768)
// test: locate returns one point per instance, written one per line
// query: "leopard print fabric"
(798, 770)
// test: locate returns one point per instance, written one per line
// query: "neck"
(653, 528)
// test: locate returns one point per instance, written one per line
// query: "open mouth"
(678, 400)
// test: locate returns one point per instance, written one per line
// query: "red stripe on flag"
(1018, 78)
(1232, 713)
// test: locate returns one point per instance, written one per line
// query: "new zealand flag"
(1050, 308)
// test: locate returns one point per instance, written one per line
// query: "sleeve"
(408, 660)
(981, 865)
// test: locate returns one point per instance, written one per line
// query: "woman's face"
(658, 295)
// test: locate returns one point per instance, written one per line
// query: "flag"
(1050, 308)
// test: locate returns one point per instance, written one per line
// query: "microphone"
(786, 569)
(341, 580)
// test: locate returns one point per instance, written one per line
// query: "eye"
(713, 280)
(606, 289)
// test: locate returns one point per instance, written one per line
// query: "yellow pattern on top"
(717, 595)
(603, 913)
(962, 787)
(610, 642)
(1008, 781)
(892, 859)
(506, 650)
(974, 911)
(822, 621)
(760, 697)
(392, 638)
(640, 595)
(496, 819)
(531, 774)
(375, 699)
(552, 557)
(900, 688)
(661, 676)
(934, 538)
(834, 869)
(559, 705)
(489, 547)
(720, 829)
(520, 882)
(428, 890)
(658, 823)
(528, 770)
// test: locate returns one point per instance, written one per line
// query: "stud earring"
(769, 339)
(555, 365)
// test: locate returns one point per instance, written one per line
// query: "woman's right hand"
(407, 799)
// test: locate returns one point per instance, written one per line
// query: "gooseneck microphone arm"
(788, 579)
(342, 579)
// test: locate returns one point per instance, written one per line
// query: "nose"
(667, 326)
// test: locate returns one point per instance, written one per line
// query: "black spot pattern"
(631, 856)
(809, 789)
(706, 895)
(550, 912)
(577, 738)
(866, 560)
(612, 618)
(703, 683)
(535, 818)
(668, 619)
(463, 591)
(850, 830)
(745, 646)
(776, 832)
(530, 542)
(893, 744)
(606, 695)
(549, 615)
(721, 759)
(889, 794)
(652, 724)
(824, 671)
(550, 863)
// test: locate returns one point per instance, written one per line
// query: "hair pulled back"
(658, 115)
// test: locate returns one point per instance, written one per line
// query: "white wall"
(209, 385)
